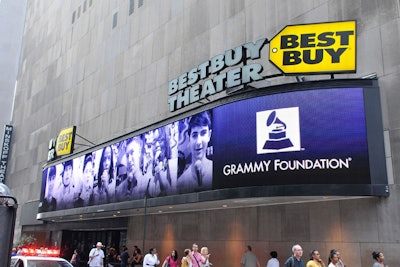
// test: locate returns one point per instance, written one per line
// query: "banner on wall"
(316, 136)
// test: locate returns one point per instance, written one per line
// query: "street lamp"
(8, 212)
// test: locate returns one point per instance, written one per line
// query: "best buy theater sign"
(297, 49)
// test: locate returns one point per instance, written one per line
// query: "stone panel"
(296, 222)
(246, 223)
(368, 13)
(256, 16)
(325, 222)
(371, 41)
(391, 57)
(270, 223)
(187, 225)
(219, 225)
(395, 144)
(387, 212)
(390, 85)
(360, 226)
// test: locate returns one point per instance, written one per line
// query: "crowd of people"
(195, 258)
(97, 258)
(315, 260)
(172, 159)
(249, 259)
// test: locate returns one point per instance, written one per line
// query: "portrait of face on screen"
(321, 137)
(197, 167)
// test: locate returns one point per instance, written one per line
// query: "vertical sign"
(5, 150)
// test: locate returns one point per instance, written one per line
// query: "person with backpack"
(295, 260)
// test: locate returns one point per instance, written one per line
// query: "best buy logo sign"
(315, 48)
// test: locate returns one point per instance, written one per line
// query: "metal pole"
(144, 223)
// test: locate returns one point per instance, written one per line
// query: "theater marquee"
(312, 138)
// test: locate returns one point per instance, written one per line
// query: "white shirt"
(97, 261)
(273, 262)
(150, 260)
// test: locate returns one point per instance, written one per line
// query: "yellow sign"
(315, 48)
(65, 141)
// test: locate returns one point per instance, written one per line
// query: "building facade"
(106, 66)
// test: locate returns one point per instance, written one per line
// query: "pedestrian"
(137, 258)
(171, 260)
(76, 258)
(334, 259)
(197, 259)
(96, 256)
(206, 256)
(273, 261)
(19, 251)
(295, 260)
(249, 259)
(186, 260)
(315, 260)
(379, 258)
(340, 262)
(151, 258)
(124, 257)
(112, 257)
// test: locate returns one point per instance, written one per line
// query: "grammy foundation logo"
(278, 130)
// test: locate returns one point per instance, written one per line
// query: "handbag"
(168, 264)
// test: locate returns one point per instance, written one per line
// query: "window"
(131, 6)
(141, 3)
(73, 17)
(115, 18)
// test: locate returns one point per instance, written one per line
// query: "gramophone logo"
(278, 130)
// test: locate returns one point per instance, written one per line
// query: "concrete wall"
(77, 69)
(355, 227)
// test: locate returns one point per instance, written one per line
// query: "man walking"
(249, 259)
(295, 260)
(197, 259)
(96, 256)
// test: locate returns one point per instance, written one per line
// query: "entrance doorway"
(84, 241)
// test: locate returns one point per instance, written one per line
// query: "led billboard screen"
(320, 137)
(304, 137)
